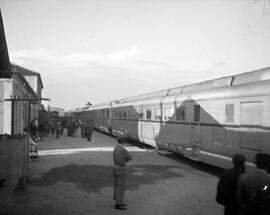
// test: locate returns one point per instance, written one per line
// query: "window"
(116, 114)
(120, 114)
(229, 113)
(124, 114)
(157, 114)
(181, 113)
(197, 113)
(167, 113)
(148, 114)
(251, 119)
(251, 113)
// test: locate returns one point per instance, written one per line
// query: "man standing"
(227, 185)
(253, 189)
(120, 158)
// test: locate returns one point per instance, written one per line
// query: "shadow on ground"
(92, 178)
(210, 169)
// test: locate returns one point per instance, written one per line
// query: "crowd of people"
(75, 128)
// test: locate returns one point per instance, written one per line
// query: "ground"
(73, 176)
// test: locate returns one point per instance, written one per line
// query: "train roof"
(234, 80)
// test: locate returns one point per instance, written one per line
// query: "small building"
(61, 111)
(19, 104)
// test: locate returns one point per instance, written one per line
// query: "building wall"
(34, 82)
(20, 107)
(39, 90)
(6, 90)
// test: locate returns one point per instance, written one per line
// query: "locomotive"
(208, 121)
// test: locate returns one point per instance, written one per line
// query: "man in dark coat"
(33, 129)
(89, 130)
(82, 125)
(227, 185)
(120, 159)
(253, 191)
(58, 129)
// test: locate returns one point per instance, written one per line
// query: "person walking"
(120, 159)
(253, 192)
(82, 125)
(227, 185)
(89, 130)
(58, 129)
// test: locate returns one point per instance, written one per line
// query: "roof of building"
(5, 69)
(26, 72)
(26, 84)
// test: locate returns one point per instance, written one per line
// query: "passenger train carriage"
(208, 121)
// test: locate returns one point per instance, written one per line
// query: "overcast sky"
(100, 50)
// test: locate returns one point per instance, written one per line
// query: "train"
(208, 122)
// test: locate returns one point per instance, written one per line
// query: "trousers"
(120, 175)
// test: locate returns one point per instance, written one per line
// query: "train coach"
(208, 121)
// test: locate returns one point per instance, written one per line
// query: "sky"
(102, 50)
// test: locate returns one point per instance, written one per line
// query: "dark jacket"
(227, 188)
(250, 190)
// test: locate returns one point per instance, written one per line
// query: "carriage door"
(196, 131)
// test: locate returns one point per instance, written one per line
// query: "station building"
(20, 100)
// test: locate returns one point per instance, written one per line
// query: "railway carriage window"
(124, 114)
(116, 114)
(197, 113)
(251, 119)
(148, 114)
(181, 113)
(229, 113)
(120, 114)
(167, 113)
(251, 114)
(157, 114)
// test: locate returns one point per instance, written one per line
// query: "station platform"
(73, 176)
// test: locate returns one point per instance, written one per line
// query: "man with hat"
(120, 158)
